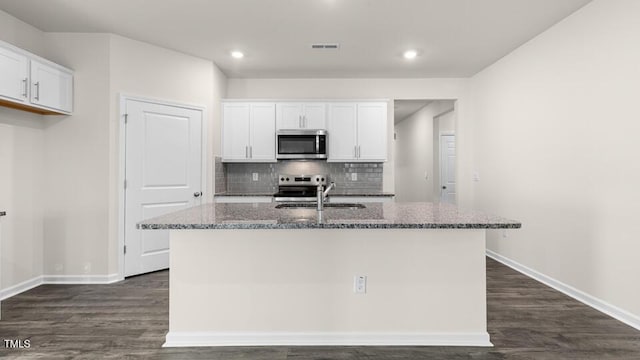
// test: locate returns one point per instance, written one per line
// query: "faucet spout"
(326, 191)
(322, 195)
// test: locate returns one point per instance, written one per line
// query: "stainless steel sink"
(327, 205)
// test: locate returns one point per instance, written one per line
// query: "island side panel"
(296, 287)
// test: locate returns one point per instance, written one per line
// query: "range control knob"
(317, 179)
(322, 179)
(287, 179)
(282, 179)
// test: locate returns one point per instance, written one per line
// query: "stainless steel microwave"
(301, 144)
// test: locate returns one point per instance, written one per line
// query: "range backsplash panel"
(239, 176)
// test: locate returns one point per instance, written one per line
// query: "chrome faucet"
(322, 193)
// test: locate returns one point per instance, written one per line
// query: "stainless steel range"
(299, 187)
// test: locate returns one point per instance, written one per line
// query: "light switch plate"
(354, 176)
(360, 284)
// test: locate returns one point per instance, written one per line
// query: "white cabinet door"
(314, 116)
(288, 116)
(236, 123)
(342, 131)
(51, 87)
(14, 73)
(263, 132)
(372, 132)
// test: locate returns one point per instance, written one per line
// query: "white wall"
(556, 143)
(145, 70)
(413, 147)
(76, 161)
(358, 89)
(59, 180)
(21, 173)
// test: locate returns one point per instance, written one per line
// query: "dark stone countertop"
(332, 193)
(241, 194)
(376, 215)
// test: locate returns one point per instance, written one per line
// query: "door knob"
(197, 194)
(444, 188)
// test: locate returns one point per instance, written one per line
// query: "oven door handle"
(317, 144)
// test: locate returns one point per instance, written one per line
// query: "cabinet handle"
(37, 95)
(251, 152)
(355, 152)
(304, 121)
(24, 81)
(246, 152)
(300, 121)
(359, 153)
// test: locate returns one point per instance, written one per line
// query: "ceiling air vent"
(325, 46)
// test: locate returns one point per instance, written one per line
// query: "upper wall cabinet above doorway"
(31, 83)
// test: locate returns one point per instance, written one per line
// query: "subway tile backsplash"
(238, 177)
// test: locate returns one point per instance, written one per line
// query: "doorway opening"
(424, 166)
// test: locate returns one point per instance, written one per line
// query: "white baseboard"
(57, 279)
(590, 300)
(81, 279)
(182, 339)
(20, 288)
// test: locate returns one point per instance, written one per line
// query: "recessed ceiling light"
(237, 54)
(410, 54)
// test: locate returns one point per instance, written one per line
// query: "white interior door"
(163, 174)
(448, 169)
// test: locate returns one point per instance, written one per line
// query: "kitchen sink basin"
(327, 206)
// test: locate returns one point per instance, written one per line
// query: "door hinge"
(125, 249)
(126, 118)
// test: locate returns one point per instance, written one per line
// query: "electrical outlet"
(476, 176)
(354, 176)
(255, 176)
(87, 267)
(360, 284)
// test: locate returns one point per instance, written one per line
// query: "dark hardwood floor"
(527, 320)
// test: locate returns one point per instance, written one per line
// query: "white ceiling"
(402, 109)
(454, 38)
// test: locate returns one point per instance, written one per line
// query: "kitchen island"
(252, 274)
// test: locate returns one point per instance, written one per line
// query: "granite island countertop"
(377, 215)
(333, 193)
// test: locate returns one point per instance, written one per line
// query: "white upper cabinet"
(301, 116)
(357, 132)
(51, 87)
(14, 76)
(235, 131)
(372, 131)
(249, 132)
(30, 83)
(263, 132)
(342, 137)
